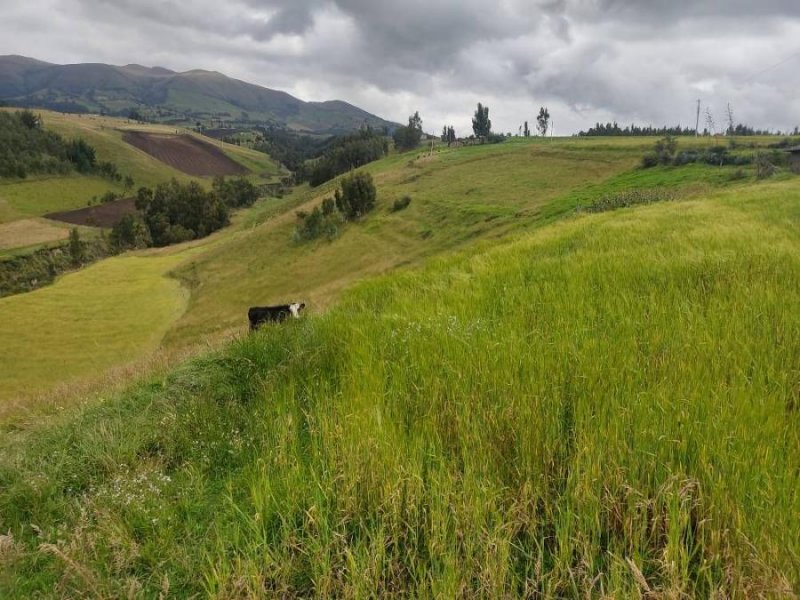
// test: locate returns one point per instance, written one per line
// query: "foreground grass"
(606, 407)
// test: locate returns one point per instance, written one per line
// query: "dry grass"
(30, 232)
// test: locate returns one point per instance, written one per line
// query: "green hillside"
(39, 195)
(579, 404)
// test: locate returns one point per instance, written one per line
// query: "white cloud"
(588, 60)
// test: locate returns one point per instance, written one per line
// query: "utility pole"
(697, 126)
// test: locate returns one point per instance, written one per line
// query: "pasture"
(606, 405)
(460, 197)
(107, 315)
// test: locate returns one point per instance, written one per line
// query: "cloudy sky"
(646, 61)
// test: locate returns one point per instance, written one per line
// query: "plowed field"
(102, 215)
(185, 153)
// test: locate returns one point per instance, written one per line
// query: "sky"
(642, 61)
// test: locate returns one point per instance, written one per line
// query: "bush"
(130, 233)
(235, 193)
(109, 197)
(764, 166)
(630, 198)
(401, 204)
(176, 212)
(650, 160)
(357, 196)
(317, 224)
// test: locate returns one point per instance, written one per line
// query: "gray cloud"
(588, 60)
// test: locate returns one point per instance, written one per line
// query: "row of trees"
(344, 154)
(26, 148)
(613, 129)
(174, 212)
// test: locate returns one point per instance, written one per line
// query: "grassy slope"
(458, 197)
(94, 319)
(607, 405)
(42, 195)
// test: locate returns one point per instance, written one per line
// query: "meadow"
(604, 405)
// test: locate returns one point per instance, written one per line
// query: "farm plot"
(30, 232)
(102, 215)
(185, 153)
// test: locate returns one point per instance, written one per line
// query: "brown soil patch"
(101, 215)
(185, 153)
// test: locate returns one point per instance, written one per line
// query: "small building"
(794, 158)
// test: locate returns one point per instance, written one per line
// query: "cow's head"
(296, 308)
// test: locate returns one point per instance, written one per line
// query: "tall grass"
(606, 407)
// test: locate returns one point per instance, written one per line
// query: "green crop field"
(495, 394)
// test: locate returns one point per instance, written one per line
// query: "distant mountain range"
(163, 95)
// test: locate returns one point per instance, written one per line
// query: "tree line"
(176, 212)
(613, 129)
(26, 148)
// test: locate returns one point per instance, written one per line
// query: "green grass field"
(110, 314)
(607, 406)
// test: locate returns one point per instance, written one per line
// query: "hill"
(168, 96)
(579, 404)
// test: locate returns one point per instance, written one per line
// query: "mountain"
(168, 96)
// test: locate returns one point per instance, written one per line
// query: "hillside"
(601, 404)
(168, 96)
(31, 198)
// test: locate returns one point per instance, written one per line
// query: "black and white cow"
(259, 315)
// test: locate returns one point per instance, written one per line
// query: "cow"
(259, 315)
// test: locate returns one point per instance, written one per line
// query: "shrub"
(401, 203)
(129, 234)
(650, 160)
(630, 198)
(109, 197)
(235, 193)
(317, 224)
(357, 196)
(764, 166)
(328, 206)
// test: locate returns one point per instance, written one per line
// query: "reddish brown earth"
(101, 215)
(185, 153)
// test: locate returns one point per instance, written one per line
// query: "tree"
(731, 125)
(543, 121)
(77, 253)
(665, 149)
(28, 119)
(129, 234)
(527, 130)
(357, 195)
(710, 122)
(481, 124)
(408, 138)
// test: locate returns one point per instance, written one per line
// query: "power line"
(775, 66)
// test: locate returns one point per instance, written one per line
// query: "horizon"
(598, 62)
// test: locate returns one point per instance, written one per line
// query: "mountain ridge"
(168, 96)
